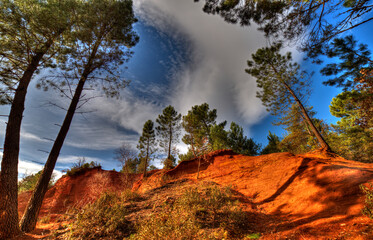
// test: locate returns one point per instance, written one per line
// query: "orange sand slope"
(306, 191)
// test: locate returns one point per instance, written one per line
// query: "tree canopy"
(311, 23)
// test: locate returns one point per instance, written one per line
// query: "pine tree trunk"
(319, 137)
(146, 158)
(169, 143)
(29, 219)
(9, 165)
(314, 130)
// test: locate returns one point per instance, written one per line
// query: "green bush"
(368, 208)
(29, 182)
(81, 166)
(103, 219)
(207, 213)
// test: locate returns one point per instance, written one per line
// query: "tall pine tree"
(168, 130)
(147, 145)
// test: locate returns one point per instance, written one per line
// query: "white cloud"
(28, 168)
(219, 52)
(32, 137)
(70, 159)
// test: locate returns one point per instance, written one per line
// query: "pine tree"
(104, 37)
(197, 124)
(34, 34)
(168, 131)
(273, 145)
(240, 143)
(353, 141)
(299, 138)
(147, 145)
(310, 24)
(353, 58)
(281, 84)
(219, 137)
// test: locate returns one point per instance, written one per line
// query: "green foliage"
(368, 208)
(365, 99)
(282, 84)
(186, 157)
(168, 131)
(197, 125)
(29, 182)
(277, 77)
(273, 144)
(152, 167)
(81, 166)
(200, 213)
(353, 58)
(103, 219)
(32, 32)
(169, 163)
(103, 41)
(253, 236)
(131, 166)
(147, 144)
(240, 143)
(299, 137)
(351, 140)
(219, 137)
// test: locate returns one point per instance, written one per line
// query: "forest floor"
(309, 196)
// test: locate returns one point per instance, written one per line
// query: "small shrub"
(103, 219)
(80, 166)
(368, 208)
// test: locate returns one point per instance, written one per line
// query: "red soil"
(79, 189)
(314, 195)
(309, 196)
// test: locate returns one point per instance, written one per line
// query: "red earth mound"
(79, 189)
(310, 196)
(316, 192)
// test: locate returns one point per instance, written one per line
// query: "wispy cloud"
(219, 51)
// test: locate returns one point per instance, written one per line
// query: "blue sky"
(185, 57)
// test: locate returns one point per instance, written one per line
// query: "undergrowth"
(204, 212)
(368, 207)
(103, 219)
(207, 213)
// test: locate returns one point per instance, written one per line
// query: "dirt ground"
(310, 196)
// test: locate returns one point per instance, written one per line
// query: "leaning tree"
(104, 37)
(281, 84)
(34, 35)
